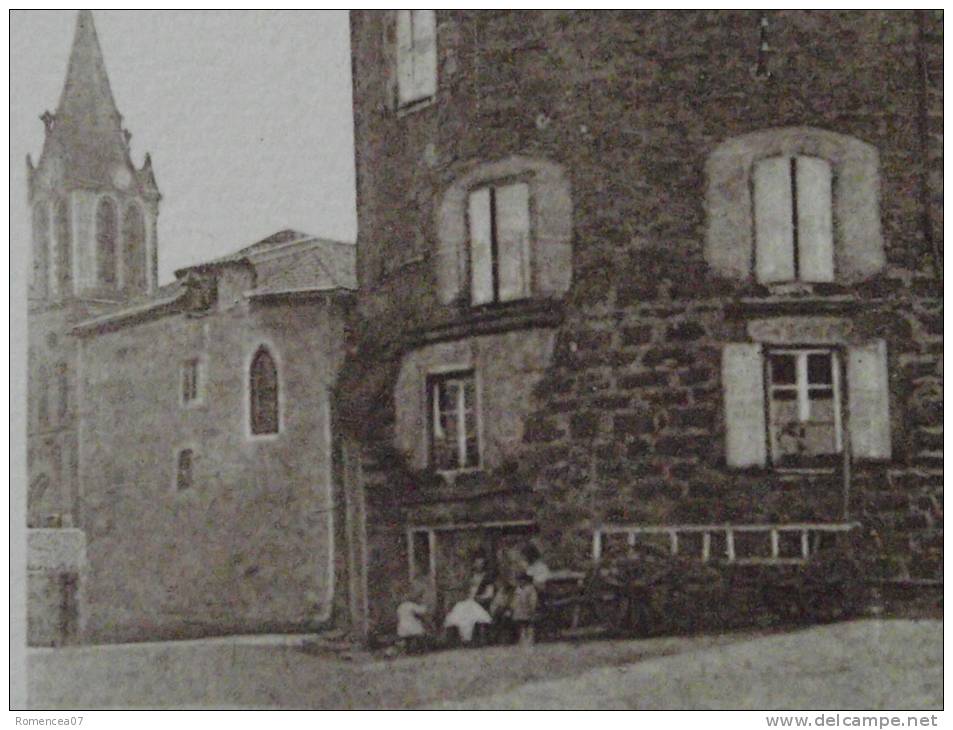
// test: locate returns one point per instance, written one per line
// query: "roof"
(292, 260)
(275, 240)
(288, 265)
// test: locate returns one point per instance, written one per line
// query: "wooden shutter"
(815, 223)
(425, 53)
(869, 395)
(774, 232)
(481, 252)
(405, 57)
(742, 377)
(512, 240)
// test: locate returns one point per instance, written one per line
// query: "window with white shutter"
(742, 375)
(793, 215)
(416, 55)
(787, 404)
(869, 396)
(499, 243)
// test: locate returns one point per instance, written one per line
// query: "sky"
(247, 115)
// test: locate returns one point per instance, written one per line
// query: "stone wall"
(249, 547)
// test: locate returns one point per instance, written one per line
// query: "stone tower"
(93, 249)
(598, 255)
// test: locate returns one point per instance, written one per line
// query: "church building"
(179, 436)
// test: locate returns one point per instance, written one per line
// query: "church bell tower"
(93, 250)
(94, 212)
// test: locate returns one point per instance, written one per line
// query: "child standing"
(411, 633)
(525, 601)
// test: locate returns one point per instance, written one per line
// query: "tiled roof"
(293, 260)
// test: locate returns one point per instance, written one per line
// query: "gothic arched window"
(106, 230)
(64, 246)
(41, 248)
(134, 247)
(263, 390)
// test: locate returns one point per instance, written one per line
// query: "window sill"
(803, 471)
(779, 306)
(407, 108)
(491, 319)
(452, 475)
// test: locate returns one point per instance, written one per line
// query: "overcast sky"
(247, 115)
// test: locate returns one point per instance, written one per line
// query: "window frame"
(63, 238)
(858, 241)
(492, 185)
(410, 101)
(129, 265)
(802, 388)
(41, 264)
(250, 394)
(177, 482)
(196, 366)
(116, 256)
(434, 379)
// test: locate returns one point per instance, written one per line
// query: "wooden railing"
(806, 536)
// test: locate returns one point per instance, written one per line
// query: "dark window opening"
(64, 247)
(106, 233)
(183, 473)
(264, 393)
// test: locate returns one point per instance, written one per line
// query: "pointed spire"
(147, 178)
(87, 90)
(86, 130)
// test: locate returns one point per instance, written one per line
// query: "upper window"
(190, 381)
(499, 243)
(416, 56)
(787, 406)
(264, 393)
(41, 248)
(796, 204)
(454, 432)
(794, 230)
(134, 247)
(64, 246)
(183, 469)
(505, 233)
(106, 233)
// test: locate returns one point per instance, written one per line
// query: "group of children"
(497, 606)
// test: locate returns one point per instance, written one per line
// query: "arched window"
(134, 247)
(504, 233)
(106, 229)
(795, 204)
(64, 246)
(41, 250)
(264, 393)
